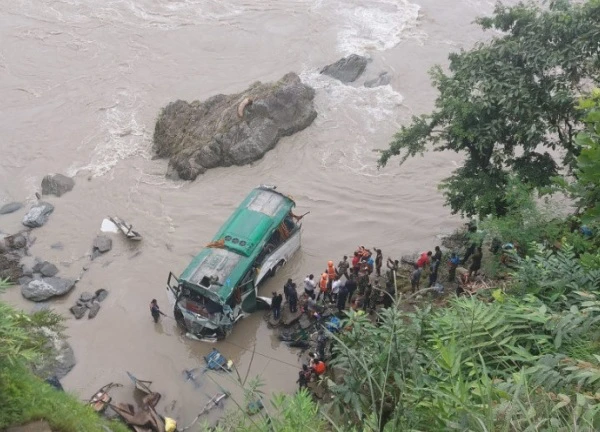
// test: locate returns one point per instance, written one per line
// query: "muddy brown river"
(82, 82)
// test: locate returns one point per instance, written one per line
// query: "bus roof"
(216, 271)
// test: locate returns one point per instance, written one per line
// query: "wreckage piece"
(126, 229)
(141, 421)
(213, 402)
(101, 399)
(141, 385)
(217, 361)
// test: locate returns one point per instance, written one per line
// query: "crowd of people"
(360, 284)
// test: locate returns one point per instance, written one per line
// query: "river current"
(82, 82)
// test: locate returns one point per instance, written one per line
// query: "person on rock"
(323, 286)
(286, 290)
(310, 285)
(342, 267)
(424, 259)
(155, 310)
(293, 298)
(341, 297)
(378, 261)
(415, 277)
(276, 301)
(435, 265)
(475, 262)
(453, 263)
(303, 377)
(351, 286)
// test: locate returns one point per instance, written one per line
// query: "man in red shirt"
(424, 259)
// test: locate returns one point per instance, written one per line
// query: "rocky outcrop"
(43, 289)
(234, 129)
(346, 69)
(38, 215)
(57, 184)
(12, 249)
(88, 301)
(61, 358)
(384, 78)
(10, 208)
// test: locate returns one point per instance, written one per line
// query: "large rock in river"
(38, 215)
(346, 69)
(57, 184)
(234, 129)
(40, 290)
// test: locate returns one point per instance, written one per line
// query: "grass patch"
(25, 397)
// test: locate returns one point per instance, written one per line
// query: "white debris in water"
(108, 226)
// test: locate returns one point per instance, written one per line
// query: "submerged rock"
(10, 207)
(48, 269)
(346, 69)
(38, 215)
(57, 184)
(102, 244)
(94, 308)
(40, 290)
(101, 294)
(86, 296)
(384, 78)
(78, 310)
(234, 129)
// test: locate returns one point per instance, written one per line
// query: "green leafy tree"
(508, 102)
(586, 189)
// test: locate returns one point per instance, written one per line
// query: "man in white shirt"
(335, 287)
(309, 286)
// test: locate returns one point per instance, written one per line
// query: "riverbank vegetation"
(25, 397)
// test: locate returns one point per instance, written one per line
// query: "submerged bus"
(221, 283)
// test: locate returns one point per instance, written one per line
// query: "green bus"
(220, 284)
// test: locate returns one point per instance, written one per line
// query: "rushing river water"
(82, 82)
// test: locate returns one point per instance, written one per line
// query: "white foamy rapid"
(358, 113)
(369, 25)
(119, 135)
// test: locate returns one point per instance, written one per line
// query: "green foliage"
(586, 187)
(25, 398)
(507, 102)
(524, 221)
(19, 338)
(556, 277)
(289, 413)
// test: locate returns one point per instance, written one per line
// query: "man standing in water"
(343, 266)
(155, 310)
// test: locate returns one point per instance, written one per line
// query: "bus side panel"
(283, 253)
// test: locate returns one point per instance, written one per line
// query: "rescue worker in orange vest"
(331, 273)
(323, 286)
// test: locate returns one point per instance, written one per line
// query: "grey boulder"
(48, 269)
(384, 78)
(60, 358)
(346, 69)
(10, 207)
(236, 129)
(38, 215)
(78, 311)
(40, 290)
(101, 294)
(86, 296)
(94, 308)
(102, 244)
(57, 184)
